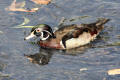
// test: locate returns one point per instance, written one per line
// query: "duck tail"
(102, 21)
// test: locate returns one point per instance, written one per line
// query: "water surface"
(62, 65)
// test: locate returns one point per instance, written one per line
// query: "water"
(59, 65)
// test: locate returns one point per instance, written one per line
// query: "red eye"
(38, 30)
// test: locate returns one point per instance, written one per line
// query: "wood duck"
(68, 36)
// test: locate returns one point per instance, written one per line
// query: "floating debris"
(41, 1)
(113, 72)
(26, 21)
(118, 36)
(5, 75)
(19, 7)
(1, 32)
(83, 69)
(114, 44)
(23, 26)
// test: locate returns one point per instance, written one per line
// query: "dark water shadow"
(41, 58)
(45, 54)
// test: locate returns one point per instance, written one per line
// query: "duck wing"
(64, 30)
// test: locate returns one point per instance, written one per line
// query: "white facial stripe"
(43, 38)
(41, 35)
(47, 32)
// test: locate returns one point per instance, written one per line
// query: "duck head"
(43, 31)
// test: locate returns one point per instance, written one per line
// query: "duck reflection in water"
(45, 54)
(41, 58)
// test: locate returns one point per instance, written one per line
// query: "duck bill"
(30, 36)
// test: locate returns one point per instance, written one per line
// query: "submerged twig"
(22, 25)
